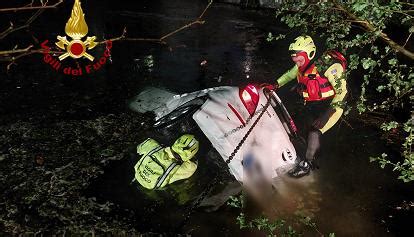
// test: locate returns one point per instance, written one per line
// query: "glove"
(269, 86)
(324, 118)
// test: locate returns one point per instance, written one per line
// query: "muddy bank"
(46, 167)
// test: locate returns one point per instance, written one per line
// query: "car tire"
(180, 119)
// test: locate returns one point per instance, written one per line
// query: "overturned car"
(249, 127)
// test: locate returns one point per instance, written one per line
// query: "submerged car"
(249, 127)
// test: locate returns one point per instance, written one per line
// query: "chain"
(198, 201)
(215, 180)
(248, 133)
(234, 130)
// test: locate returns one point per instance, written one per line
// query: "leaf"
(270, 37)
(375, 49)
(392, 61)
(280, 36)
(368, 63)
(359, 6)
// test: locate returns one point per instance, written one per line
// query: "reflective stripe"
(328, 94)
(166, 173)
(323, 94)
(191, 143)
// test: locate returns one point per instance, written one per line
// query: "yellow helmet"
(305, 44)
(186, 146)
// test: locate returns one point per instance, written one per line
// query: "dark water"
(348, 195)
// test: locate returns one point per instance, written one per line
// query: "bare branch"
(408, 39)
(347, 123)
(162, 39)
(31, 7)
(407, 3)
(15, 51)
(205, 10)
(181, 28)
(40, 10)
(124, 38)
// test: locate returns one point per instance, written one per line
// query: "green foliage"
(235, 202)
(389, 126)
(276, 227)
(262, 223)
(356, 28)
(406, 167)
(271, 37)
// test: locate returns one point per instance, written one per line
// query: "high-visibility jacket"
(336, 79)
(158, 167)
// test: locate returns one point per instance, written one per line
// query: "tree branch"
(12, 29)
(31, 7)
(161, 40)
(40, 10)
(370, 28)
(15, 51)
(408, 39)
(12, 55)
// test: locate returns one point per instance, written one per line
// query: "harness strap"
(302, 86)
(324, 95)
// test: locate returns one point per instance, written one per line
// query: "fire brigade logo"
(76, 48)
(76, 28)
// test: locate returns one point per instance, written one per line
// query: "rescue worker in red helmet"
(322, 85)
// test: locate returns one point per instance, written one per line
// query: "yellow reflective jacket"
(158, 167)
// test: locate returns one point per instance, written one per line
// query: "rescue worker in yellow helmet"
(322, 85)
(160, 166)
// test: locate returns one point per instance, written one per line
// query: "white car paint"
(266, 144)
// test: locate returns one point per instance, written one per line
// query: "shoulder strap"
(338, 56)
(310, 64)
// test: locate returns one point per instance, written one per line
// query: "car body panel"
(265, 144)
(161, 102)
